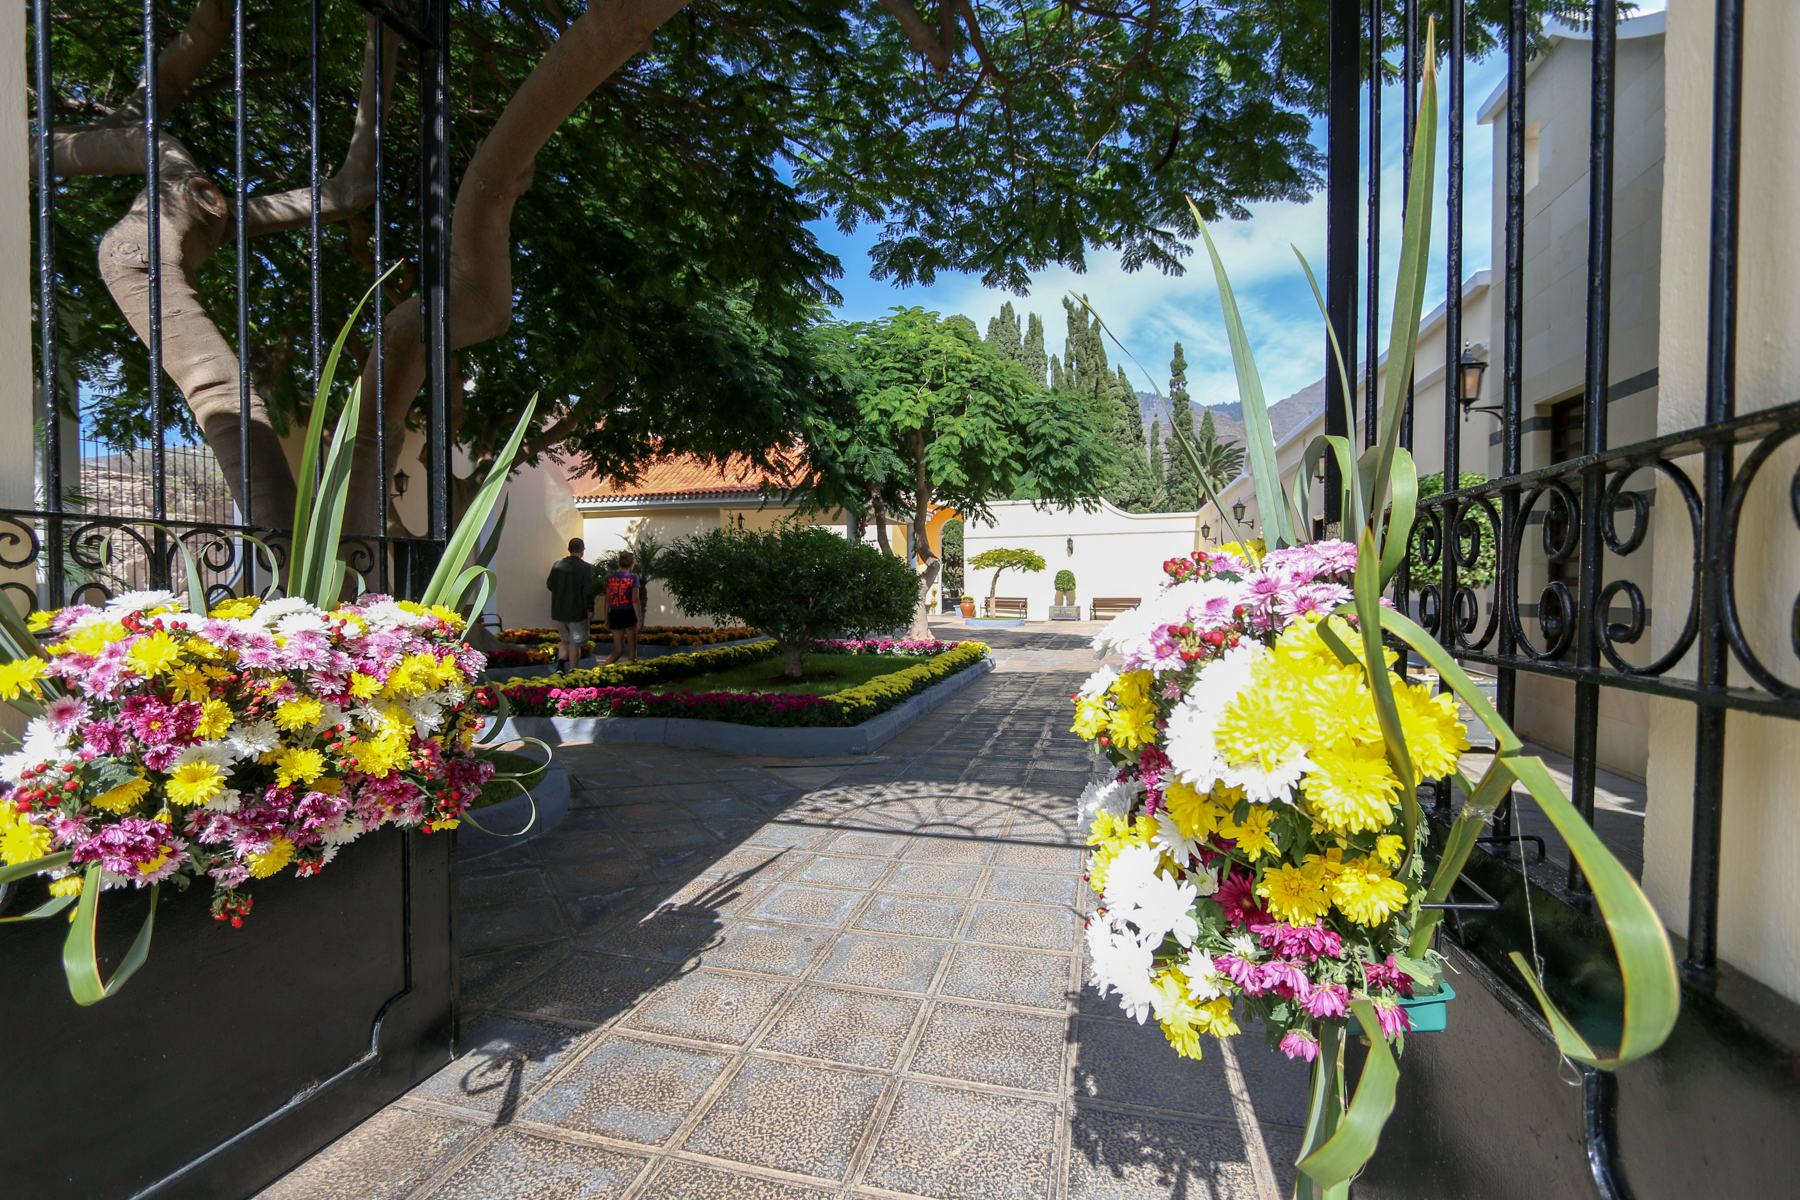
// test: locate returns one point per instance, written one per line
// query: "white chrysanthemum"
(1194, 722)
(271, 613)
(1128, 871)
(388, 614)
(254, 740)
(1275, 783)
(1171, 841)
(1098, 682)
(308, 620)
(1155, 904)
(1204, 980)
(1108, 796)
(131, 602)
(347, 830)
(1119, 963)
(221, 753)
(426, 713)
(1244, 946)
(226, 801)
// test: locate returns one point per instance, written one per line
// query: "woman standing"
(624, 607)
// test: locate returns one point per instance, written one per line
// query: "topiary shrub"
(1000, 559)
(1065, 581)
(797, 583)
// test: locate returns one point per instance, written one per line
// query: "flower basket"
(1428, 1013)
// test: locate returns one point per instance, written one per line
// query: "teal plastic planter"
(1430, 1014)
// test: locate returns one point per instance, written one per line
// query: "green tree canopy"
(796, 582)
(1084, 372)
(1180, 486)
(941, 420)
(1002, 559)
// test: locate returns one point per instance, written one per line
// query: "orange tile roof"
(679, 477)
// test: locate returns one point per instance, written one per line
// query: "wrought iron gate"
(277, 1038)
(1591, 617)
(112, 526)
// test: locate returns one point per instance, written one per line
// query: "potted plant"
(1065, 586)
(968, 607)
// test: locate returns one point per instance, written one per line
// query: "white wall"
(17, 456)
(1116, 553)
(1760, 883)
(607, 533)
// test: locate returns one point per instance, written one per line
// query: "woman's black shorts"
(621, 618)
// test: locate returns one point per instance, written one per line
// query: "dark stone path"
(725, 977)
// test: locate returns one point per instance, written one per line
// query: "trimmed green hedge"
(856, 705)
(652, 670)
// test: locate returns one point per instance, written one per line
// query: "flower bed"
(581, 694)
(648, 635)
(519, 656)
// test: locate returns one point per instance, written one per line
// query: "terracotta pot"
(968, 606)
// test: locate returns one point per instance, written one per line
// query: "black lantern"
(1071, 546)
(400, 482)
(1468, 382)
(1237, 510)
(1206, 532)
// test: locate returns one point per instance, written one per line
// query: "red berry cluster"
(229, 905)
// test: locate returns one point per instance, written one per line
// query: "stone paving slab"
(802, 978)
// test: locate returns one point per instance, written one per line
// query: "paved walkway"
(724, 977)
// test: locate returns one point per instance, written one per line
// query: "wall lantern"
(1206, 532)
(1071, 547)
(1237, 510)
(1468, 382)
(400, 482)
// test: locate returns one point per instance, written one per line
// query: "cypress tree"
(1182, 488)
(1057, 379)
(1085, 371)
(1031, 354)
(1156, 451)
(1003, 333)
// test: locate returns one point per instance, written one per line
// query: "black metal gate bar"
(379, 246)
(1453, 299)
(52, 499)
(241, 196)
(1701, 965)
(314, 239)
(435, 256)
(1342, 135)
(1589, 518)
(159, 502)
(1372, 293)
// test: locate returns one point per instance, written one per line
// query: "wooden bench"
(1006, 606)
(1108, 607)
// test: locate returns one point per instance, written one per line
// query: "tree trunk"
(881, 538)
(922, 495)
(793, 656)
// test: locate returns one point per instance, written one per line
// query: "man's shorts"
(573, 632)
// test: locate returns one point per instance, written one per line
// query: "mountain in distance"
(1228, 419)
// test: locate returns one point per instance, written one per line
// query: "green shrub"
(1065, 581)
(1486, 561)
(796, 582)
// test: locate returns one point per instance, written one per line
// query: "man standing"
(624, 606)
(571, 585)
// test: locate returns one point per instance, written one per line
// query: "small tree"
(999, 559)
(797, 583)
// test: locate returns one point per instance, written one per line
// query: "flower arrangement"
(169, 743)
(231, 745)
(1259, 849)
(1250, 852)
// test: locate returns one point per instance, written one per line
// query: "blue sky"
(1149, 311)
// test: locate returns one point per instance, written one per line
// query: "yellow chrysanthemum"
(1351, 788)
(1294, 895)
(1133, 722)
(154, 652)
(1435, 737)
(39, 621)
(1194, 814)
(294, 765)
(215, 720)
(1217, 1018)
(21, 675)
(23, 841)
(298, 714)
(91, 639)
(68, 885)
(1256, 727)
(448, 616)
(1252, 835)
(124, 798)
(237, 609)
(363, 686)
(1389, 847)
(1365, 892)
(190, 683)
(1181, 1019)
(414, 607)
(277, 856)
(194, 783)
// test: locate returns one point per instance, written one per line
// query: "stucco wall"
(17, 470)
(1115, 553)
(1760, 884)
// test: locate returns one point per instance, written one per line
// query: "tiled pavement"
(778, 979)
